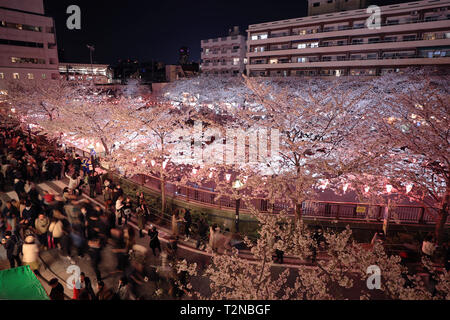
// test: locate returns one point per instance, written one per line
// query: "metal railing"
(345, 28)
(311, 209)
(441, 37)
(326, 59)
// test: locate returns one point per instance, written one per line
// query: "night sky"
(148, 29)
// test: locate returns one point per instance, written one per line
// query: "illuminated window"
(44, 76)
(30, 76)
(235, 61)
(273, 61)
(301, 46)
(16, 76)
(2, 75)
(314, 45)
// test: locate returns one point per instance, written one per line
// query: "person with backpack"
(13, 248)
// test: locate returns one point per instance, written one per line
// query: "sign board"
(360, 209)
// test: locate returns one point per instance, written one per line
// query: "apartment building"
(316, 7)
(27, 42)
(224, 55)
(98, 73)
(337, 44)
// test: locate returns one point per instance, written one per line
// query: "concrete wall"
(36, 6)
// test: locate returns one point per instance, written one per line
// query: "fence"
(340, 211)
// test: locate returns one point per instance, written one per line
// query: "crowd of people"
(39, 221)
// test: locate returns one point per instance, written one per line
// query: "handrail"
(393, 57)
(352, 44)
(310, 208)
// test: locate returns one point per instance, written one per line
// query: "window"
(409, 38)
(16, 76)
(314, 45)
(259, 37)
(301, 46)
(44, 76)
(330, 1)
(302, 60)
(30, 76)
(273, 61)
(27, 60)
(2, 75)
(235, 61)
(316, 4)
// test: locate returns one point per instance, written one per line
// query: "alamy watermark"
(374, 280)
(74, 20)
(214, 146)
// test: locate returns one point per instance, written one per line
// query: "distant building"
(316, 7)
(413, 34)
(225, 55)
(98, 73)
(28, 47)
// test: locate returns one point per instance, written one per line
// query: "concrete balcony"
(354, 63)
(401, 45)
(410, 27)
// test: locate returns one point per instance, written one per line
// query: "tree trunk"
(442, 217)
(163, 194)
(105, 146)
(298, 210)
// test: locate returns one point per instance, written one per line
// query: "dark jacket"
(57, 292)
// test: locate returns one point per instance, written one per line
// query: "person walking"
(428, 246)
(10, 213)
(154, 240)
(30, 254)
(103, 292)
(141, 219)
(95, 248)
(56, 231)
(57, 292)
(175, 221)
(119, 210)
(202, 234)
(12, 247)
(92, 181)
(187, 224)
(41, 225)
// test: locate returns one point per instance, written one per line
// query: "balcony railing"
(327, 59)
(440, 37)
(343, 28)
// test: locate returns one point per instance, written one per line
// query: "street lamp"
(91, 49)
(237, 185)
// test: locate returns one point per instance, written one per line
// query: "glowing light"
(366, 189)
(153, 163)
(165, 164)
(409, 188)
(13, 110)
(345, 187)
(388, 188)
(211, 175)
(413, 116)
(228, 177)
(134, 159)
(194, 171)
(143, 161)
